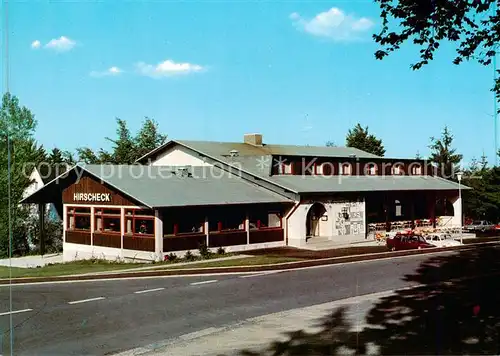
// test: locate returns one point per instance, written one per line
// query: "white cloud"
(167, 68)
(61, 44)
(333, 24)
(112, 71)
(35, 44)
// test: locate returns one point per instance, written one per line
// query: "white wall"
(36, 184)
(456, 220)
(178, 156)
(228, 249)
(336, 228)
(72, 252)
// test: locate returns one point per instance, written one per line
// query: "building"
(242, 196)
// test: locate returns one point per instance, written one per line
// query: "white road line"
(16, 312)
(148, 290)
(203, 282)
(85, 300)
(258, 274)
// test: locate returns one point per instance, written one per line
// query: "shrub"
(221, 251)
(204, 251)
(189, 256)
(171, 257)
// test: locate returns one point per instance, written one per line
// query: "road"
(106, 317)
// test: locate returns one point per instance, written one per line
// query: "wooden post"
(41, 215)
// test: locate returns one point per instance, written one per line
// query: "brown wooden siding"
(89, 184)
(227, 238)
(271, 235)
(183, 242)
(78, 237)
(139, 243)
(107, 240)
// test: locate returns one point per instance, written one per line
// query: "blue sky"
(298, 72)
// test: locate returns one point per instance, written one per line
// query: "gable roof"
(219, 150)
(336, 184)
(160, 186)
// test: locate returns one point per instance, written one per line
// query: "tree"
(443, 155)
(148, 138)
(360, 138)
(330, 144)
(126, 148)
(418, 156)
(17, 127)
(473, 25)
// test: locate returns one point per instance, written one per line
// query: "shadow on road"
(455, 311)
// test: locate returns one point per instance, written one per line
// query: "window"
(398, 210)
(285, 168)
(397, 169)
(371, 169)
(78, 218)
(108, 220)
(416, 170)
(265, 220)
(346, 169)
(140, 222)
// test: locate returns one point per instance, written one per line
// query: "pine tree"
(360, 138)
(443, 155)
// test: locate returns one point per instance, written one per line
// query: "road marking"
(148, 290)
(16, 312)
(259, 274)
(85, 300)
(204, 282)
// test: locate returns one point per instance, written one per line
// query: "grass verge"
(69, 268)
(244, 261)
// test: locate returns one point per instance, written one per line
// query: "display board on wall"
(349, 218)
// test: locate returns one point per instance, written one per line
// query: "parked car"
(441, 240)
(407, 242)
(480, 225)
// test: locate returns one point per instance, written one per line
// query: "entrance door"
(314, 215)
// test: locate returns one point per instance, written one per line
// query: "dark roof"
(160, 186)
(322, 184)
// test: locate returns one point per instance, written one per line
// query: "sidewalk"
(257, 333)
(32, 261)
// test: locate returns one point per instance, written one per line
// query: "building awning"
(338, 184)
(160, 186)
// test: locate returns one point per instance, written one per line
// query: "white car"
(442, 240)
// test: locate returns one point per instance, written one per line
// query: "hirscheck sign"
(92, 197)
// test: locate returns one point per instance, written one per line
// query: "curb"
(247, 269)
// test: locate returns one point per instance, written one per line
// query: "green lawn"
(64, 269)
(244, 261)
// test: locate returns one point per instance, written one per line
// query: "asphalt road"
(106, 317)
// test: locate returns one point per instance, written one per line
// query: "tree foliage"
(17, 127)
(443, 155)
(359, 137)
(126, 147)
(473, 25)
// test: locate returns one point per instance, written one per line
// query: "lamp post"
(459, 177)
